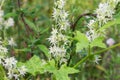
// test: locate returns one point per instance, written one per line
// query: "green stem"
(3, 34)
(89, 50)
(96, 53)
(2, 3)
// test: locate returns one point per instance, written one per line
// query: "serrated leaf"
(62, 73)
(34, 65)
(82, 41)
(50, 66)
(44, 49)
(98, 42)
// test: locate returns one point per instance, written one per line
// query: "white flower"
(56, 14)
(97, 59)
(16, 76)
(3, 50)
(54, 31)
(1, 20)
(60, 3)
(22, 70)
(10, 63)
(0, 61)
(57, 51)
(91, 23)
(110, 41)
(64, 25)
(11, 42)
(53, 39)
(104, 12)
(10, 74)
(58, 39)
(9, 23)
(1, 13)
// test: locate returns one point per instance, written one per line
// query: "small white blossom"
(22, 70)
(16, 76)
(10, 63)
(91, 23)
(60, 3)
(105, 12)
(3, 50)
(53, 39)
(10, 74)
(1, 13)
(9, 23)
(54, 31)
(57, 51)
(97, 59)
(11, 42)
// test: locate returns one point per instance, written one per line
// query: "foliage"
(59, 39)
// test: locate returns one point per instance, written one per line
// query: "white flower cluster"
(58, 39)
(11, 42)
(5, 23)
(104, 13)
(9, 63)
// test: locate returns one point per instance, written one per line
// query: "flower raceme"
(58, 38)
(5, 23)
(9, 63)
(104, 13)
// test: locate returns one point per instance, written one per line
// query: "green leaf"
(42, 31)
(34, 65)
(23, 50)
(12, 14)
(44, 49)
(50, 66)
(31, 25)
(82, 41)
(110, 23)
(2, 73)
(62, 73)
(59, 74)
(98, 42)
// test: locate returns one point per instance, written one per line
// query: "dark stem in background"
(23, 20)
(73, 26)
